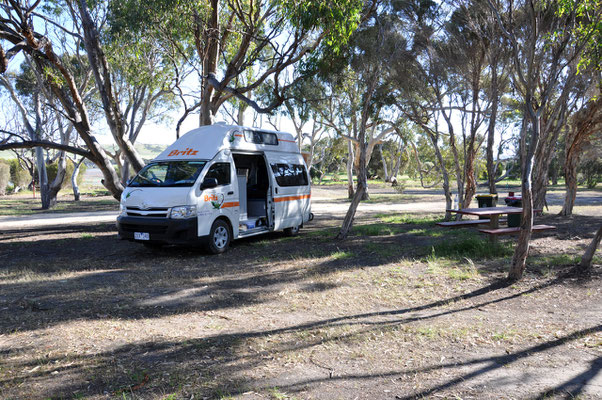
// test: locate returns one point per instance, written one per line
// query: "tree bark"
(209, 56)
(519, 259)
(100, 68)
(74, 185)
(491, 164)
(584, 124)
(387, 178)
(361, 191)
(57, 183)
(588, 256)
(350, 158)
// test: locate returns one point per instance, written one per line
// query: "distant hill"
(150, 151)
(147, 151)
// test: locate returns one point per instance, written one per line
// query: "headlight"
(183, 212)
(122, 210)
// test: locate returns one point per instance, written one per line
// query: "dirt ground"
(400, 310)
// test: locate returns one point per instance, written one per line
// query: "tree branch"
(29, 144)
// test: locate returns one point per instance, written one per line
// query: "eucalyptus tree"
(422, 87)
(359, 79)
(588, 119)
(545, 54)
(40, 41)
(127, 85)
(41, 122)
(224, 39)
(588, 30)
(144, 81)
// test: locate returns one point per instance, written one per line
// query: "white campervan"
(218, 183)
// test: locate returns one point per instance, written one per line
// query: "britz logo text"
(187, 152)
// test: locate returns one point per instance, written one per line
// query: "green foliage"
(52, 168)
(4, 177)
(338, 19)
(18, 175)
(587, 29)
(591, 171)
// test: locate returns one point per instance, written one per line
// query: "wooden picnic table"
(494, 213)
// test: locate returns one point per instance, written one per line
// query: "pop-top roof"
(205, 142)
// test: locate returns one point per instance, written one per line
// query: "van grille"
(154, 212)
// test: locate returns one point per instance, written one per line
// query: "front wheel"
(219, 237)
(294, 231)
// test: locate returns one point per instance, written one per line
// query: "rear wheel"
(219, 237)
(294, 231)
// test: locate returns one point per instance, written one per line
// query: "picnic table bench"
(461, 223)
(514, 230)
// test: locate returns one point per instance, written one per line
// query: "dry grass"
(376, 316)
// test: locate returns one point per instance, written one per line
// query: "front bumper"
(160, 230)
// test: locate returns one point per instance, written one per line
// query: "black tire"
(219, 237)
(294, 231)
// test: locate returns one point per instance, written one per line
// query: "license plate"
(141, 236)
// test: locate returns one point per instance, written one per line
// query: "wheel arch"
(228, 222)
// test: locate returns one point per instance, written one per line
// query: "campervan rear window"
(261, 137)
(290, 174)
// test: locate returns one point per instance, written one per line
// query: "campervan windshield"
(168, 174)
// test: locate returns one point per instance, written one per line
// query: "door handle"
(229, 193)
(276, 190)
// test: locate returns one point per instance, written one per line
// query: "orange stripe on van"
(290, 141)
(291, 198)
(238, 135)
(231, 204)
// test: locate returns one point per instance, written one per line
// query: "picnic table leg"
(494, 223)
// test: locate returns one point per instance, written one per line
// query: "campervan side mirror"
(209, 183)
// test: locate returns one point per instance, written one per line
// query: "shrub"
(591, 171)
(52, 168)
(18, 175)
(4, 177)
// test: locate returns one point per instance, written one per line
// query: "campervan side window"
(290, 174)
(221, 172)
(261, 137)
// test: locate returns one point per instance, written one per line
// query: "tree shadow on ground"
(216, 361)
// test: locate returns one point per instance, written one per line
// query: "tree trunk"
(74, 185)
(397, 166)
(102, 76)
(350, 158)
(348, 221)
(387, 178)
(586, 260)
(42, 178)
(57, 183)
(491, 164)
(584, 124)
(444, 173)
(359, 196)
(125, 172)
(519, 259)
(570, 174)
(209, 55)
